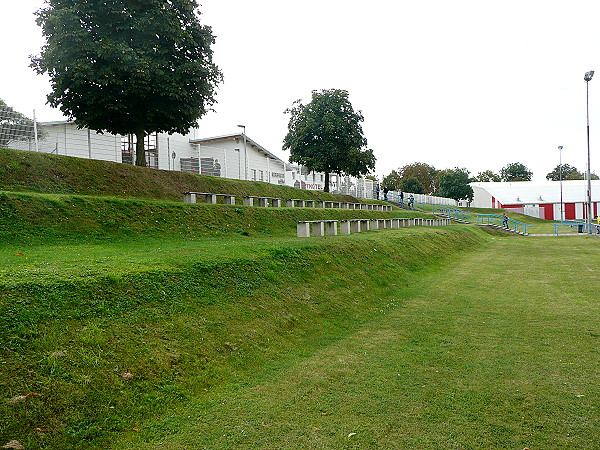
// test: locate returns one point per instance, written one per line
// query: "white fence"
(18, 132)
(394, 196)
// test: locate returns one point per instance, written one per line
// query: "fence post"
(35, 134)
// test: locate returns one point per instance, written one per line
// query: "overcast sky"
(463, 83)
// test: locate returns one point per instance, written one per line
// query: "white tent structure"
(539, 199)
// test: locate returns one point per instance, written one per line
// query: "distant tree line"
(421, 178)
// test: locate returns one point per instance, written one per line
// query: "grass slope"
(55, 174)
(187, 330)
(33, 218)
(463, 357)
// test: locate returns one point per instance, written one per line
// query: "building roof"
(228, 137)
(532, 192)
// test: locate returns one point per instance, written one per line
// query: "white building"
(231, 156)
(539, 199)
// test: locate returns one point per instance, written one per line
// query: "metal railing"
(499, 221)
(451, 212)
(571, 226)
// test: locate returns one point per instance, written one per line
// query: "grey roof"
(228, 137)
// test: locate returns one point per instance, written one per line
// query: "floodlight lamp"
(560, 147)
(588, 75)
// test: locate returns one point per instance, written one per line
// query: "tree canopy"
(392, 181)
(412, 185)
(455, 184)
(515, 172)
(425, 174)
(487, 175)
(568, 172)
(128, 66)
(326, 135)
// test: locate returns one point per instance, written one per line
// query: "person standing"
(504, 220)
(411, 202)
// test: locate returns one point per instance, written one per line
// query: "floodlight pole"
(560, 147)
(588, 76)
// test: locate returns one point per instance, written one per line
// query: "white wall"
(481, 198)
(66, 139)
(239, 163)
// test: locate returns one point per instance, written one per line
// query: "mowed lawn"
(501, 349)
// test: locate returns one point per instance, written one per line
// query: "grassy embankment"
(45, 173)
(143, 324)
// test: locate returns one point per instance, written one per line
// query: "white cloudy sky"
(468, 83)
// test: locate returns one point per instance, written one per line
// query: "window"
(253, 174)
(262, 175)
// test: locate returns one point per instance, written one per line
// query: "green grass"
(498, 350)
(45, 173)
(187, 329)
(134, 323)
(410, 338)
(27, 218)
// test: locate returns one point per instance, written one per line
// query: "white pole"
(169, 155)
(35, 133)
(89, 139)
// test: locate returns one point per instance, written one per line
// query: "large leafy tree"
(455, 184)
(128, 66)
(425, 174)
(326, 135)
(515, 172)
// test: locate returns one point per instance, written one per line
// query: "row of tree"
(421, 178)
(519, 172)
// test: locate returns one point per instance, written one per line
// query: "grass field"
(395, 339)
(145, 323)
(499, 350)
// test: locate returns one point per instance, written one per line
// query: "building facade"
(230, 156)
(551, 200)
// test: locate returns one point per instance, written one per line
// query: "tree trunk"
(140, 151)
(326, 188)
